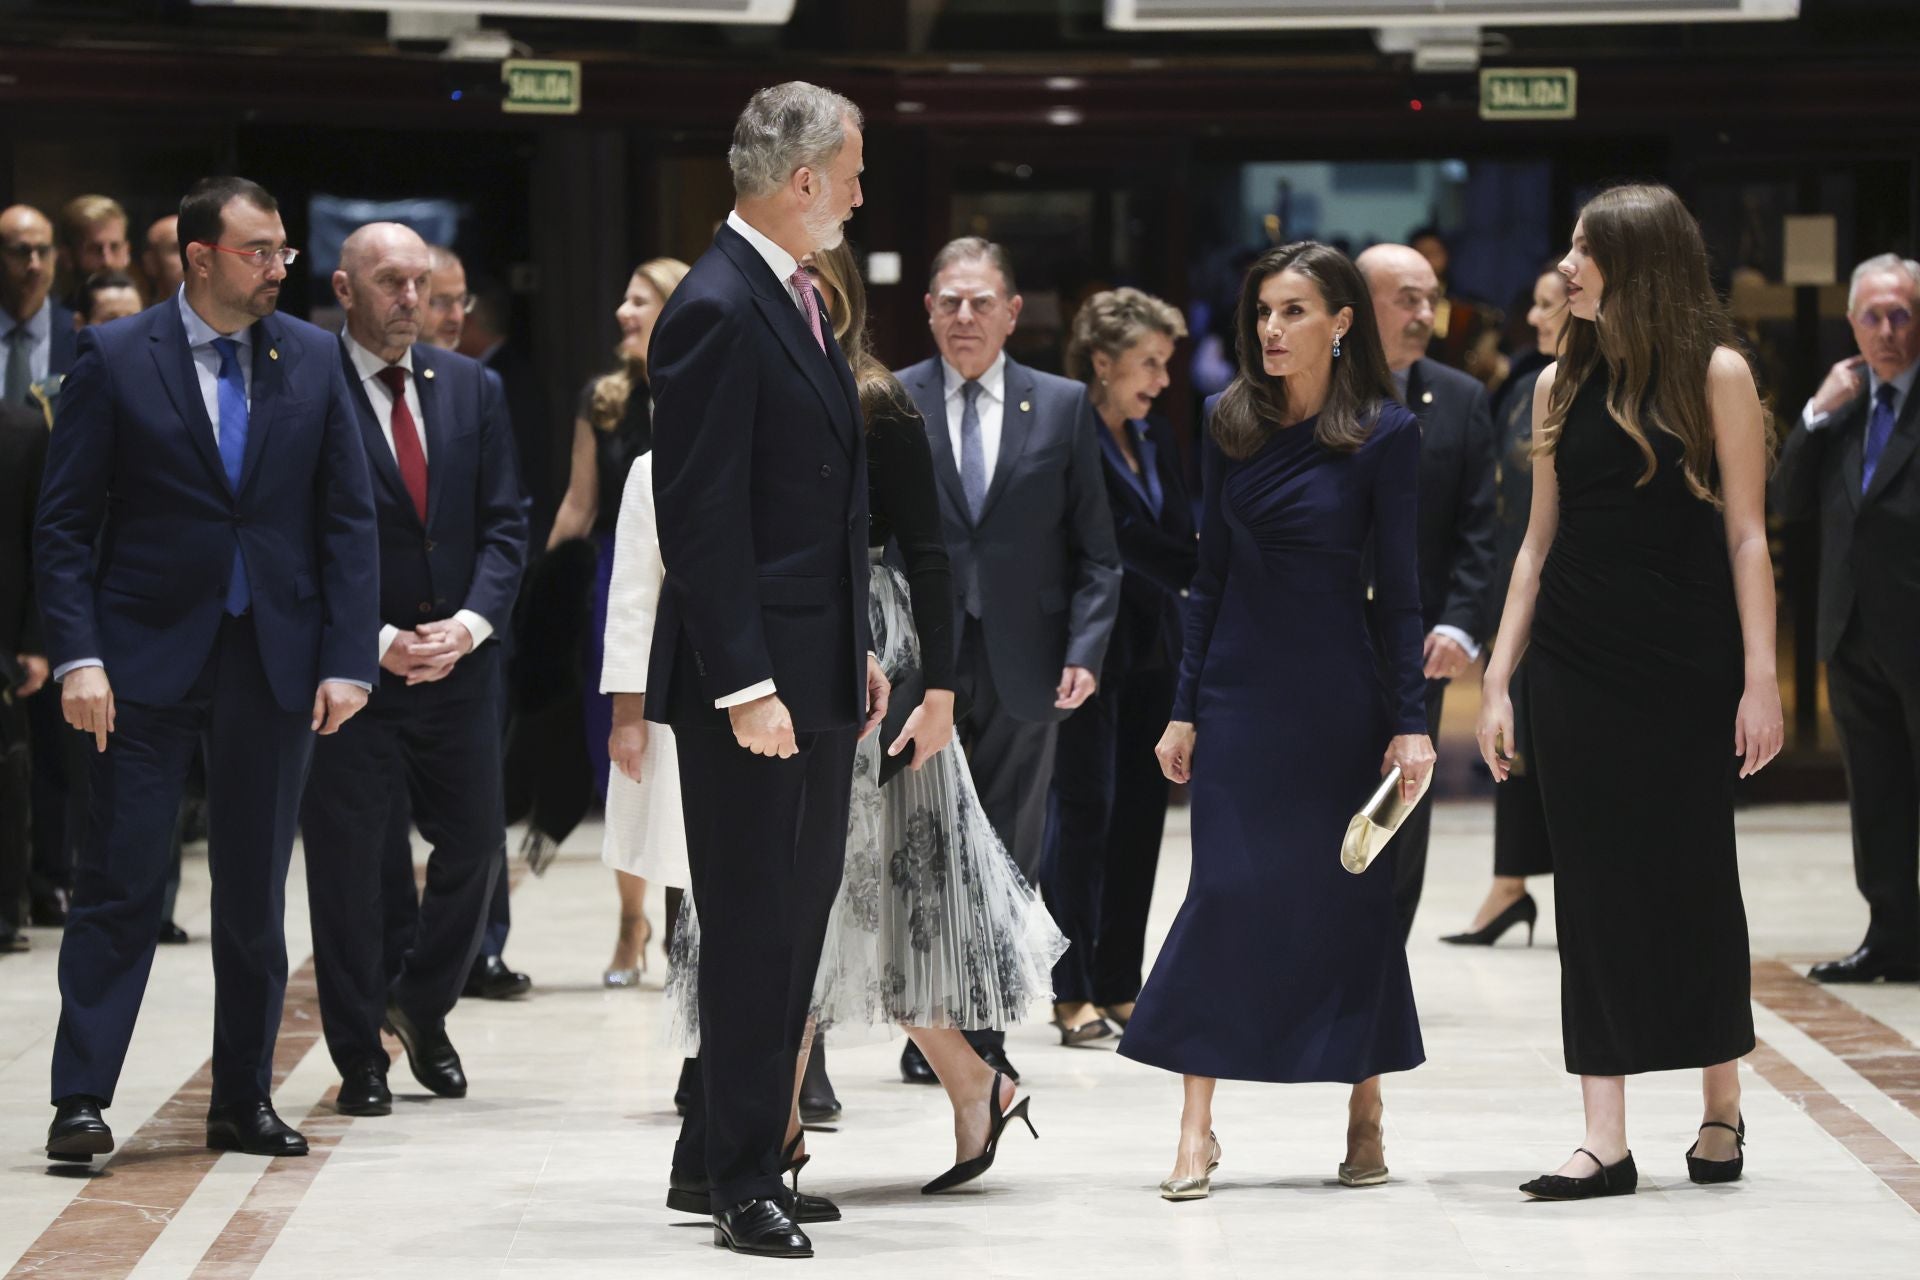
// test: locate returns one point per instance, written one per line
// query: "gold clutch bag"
(1377, 821)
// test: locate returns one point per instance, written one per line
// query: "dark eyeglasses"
(260, 258)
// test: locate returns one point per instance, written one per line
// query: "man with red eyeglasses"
(207, 568)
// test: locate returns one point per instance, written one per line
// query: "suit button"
(425, 608)
(431, 544)
(825, 471)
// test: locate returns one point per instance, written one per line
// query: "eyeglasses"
(27, 252)
(949, 304)
(260, 258)
(463, 302)
(1895, 318)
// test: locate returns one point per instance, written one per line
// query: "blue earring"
(1336, 346)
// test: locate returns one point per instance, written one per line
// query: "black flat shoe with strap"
(1706, 1172)
(1613, 1180)
(968, 1170)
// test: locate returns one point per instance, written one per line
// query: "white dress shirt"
(991, 406)
(1902, 388)
(39, 340)
(369, 366)
(783, 265)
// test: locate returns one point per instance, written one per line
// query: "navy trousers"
(256, 755)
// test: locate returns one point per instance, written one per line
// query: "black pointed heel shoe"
(1525, 911)
(1706, 1172)
(1613, 1180)
(967, 1170)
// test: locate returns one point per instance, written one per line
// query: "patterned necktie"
(973, 452)
(232, 387)
(406, 441)
(803, 286)
(1879, 428)
(19, 365)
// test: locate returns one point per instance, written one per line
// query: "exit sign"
(1527, 93)
(542, 88)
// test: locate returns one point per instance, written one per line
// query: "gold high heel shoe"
(1194, 1188)
(1353, 1175)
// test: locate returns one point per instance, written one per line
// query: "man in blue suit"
(36, 333)
(207, 566)
(453, 539)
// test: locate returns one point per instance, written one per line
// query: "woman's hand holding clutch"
(1175, 751)
(928, 731)
(1413, 754)
(1495, 731)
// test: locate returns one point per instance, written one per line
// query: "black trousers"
(59, 788)
(16, 808)
(766, 845)
(439, 742)
(256, 755)
(1877, 710)
(1105, 818)
(1409, 847)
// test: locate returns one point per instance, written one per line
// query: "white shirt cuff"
(1460, 638)
(1813, 421)
(747, 694)
(478, 627)
(388, 634)
(361, 685)
(60, 672)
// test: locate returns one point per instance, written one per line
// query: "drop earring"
(1336, 346)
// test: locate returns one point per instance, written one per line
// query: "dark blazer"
(1158, 553)
(470, 552)
(65, 340)
(760, 482)
(1049, 570)
(23, 454)
(137, 522)
(1457, 501)
(1869, 543)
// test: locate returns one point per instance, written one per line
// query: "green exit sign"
(1527, 93)
(542, 88)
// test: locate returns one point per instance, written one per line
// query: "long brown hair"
(612, 391)
(1661, 323)
(1255, 405)
(879, 389)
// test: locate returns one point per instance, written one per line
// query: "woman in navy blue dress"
(1282, 966)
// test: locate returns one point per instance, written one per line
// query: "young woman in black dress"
(1643, 601)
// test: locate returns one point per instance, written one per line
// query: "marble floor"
(554, 1165)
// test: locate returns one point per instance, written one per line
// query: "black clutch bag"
(909, 687)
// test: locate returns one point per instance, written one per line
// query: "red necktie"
(406, 440)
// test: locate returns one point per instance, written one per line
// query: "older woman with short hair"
(1109, 800)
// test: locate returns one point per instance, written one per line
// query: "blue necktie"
(973, 453)
(1879, 429)
(233, 451)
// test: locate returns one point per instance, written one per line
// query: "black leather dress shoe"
(253, 1127)
(688, 1193)
(761, 1228)
(818, 1105)
(914, 1067)
(77, 1133)
(364, 1092)
(430, 1054)
(172, 935)
(1868, 964)
(492, 980)
(995, 1056)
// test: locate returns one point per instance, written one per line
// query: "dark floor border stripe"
(1879, 1054)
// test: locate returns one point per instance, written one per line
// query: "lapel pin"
(1426, 397)
(273, 353)
(427, 374)
(1026, 406)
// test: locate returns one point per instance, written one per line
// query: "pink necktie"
(811, 301)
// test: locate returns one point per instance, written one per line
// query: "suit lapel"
(1419, 399)
(1016, 431)
(379, 453)
(1900, 446)
(782, 314)
(929, 387)
(1853, 429)
(174, 359)
(437, 427)
(272, 360)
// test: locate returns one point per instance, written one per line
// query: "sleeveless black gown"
(1635, 673)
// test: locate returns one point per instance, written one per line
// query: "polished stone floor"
(554, 1165)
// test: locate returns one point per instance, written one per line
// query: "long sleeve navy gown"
(1282, 966)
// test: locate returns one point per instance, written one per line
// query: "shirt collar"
(1402, 378)
(367, 364)
(993, 382)
(200, 333)
(1902, 382)
(778, 260)
(39, 325)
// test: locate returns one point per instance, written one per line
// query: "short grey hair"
(790, 126)
(973, 249)
(1885, 264)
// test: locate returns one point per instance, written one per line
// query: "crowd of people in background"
(971, 622)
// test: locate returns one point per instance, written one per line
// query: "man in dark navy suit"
(37, 341)
(453, 539)
(207, 567)
(760, 657)
(1456, 540)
